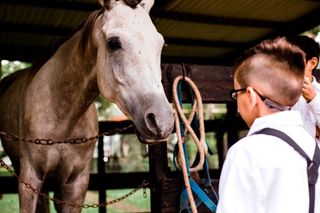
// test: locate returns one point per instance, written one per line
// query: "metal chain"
(41, 141)
(143, 185)
(44, 141)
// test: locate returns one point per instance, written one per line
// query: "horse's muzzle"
(157, 127)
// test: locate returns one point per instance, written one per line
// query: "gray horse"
(115, 53)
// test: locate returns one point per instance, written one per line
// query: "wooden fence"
(214, 83)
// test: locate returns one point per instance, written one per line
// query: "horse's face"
(129, 71)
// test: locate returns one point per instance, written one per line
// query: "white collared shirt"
(263, 174)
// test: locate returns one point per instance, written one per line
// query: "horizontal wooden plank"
(8, 184)
(213, 82)
(126, 126)
(114, 127)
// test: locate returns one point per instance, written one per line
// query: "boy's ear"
(252, 97)
(314, 62)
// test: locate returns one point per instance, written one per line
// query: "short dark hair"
(276, 66)
(308, 45)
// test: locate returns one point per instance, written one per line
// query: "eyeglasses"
(234, 93)
(268, 102)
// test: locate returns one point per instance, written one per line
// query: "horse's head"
(128, 67)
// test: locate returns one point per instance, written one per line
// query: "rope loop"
(200, 142)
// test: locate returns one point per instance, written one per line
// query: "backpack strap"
(312, 165)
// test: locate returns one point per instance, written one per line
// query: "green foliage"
(102, 106)
(9, 203)
(8, 67)
(134, 203)
(4, 172)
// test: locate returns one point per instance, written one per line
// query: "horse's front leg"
(27, 197)
(74, 193)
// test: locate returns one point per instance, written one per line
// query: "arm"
(310, 91)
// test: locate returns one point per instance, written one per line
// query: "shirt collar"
(284, 118)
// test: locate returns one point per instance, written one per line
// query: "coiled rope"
(200, 143)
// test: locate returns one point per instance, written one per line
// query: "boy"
(262, 173)
(309, 102)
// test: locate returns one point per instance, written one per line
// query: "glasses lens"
(233, 95)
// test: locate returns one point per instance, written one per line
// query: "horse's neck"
(66, 84)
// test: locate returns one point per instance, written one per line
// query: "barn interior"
(203, 38)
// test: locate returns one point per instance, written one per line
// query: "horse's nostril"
(152, 123)
(151, 117)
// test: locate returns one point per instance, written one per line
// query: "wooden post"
(158, 168)
(101, 171)
(220, 147)
(232, 130)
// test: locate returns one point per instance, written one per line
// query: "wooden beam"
(34, 29)
(300, 25)
(22, 53)
(159, 5)
(8, 184)
(297, 26)
(201, 42)
(63, 5)
(220, 61)
(226, 21)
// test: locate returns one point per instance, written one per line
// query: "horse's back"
(7, 81)
(11, 88)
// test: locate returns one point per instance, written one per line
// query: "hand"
(308, 92)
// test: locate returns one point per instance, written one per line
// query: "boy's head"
(271, 76)
(311, 49)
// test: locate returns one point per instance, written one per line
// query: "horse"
(115, 53)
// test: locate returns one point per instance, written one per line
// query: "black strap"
(313, 164)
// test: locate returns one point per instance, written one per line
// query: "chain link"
(9, 137)
(143, 185)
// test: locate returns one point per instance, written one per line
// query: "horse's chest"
(62, 160)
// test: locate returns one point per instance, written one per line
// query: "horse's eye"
(113, 43)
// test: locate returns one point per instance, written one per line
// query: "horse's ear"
(132, 3)
(105, 3)
(147, 4)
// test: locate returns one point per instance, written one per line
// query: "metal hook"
(183, 71)
(186, 71)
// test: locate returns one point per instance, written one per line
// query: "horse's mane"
(87, 27)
